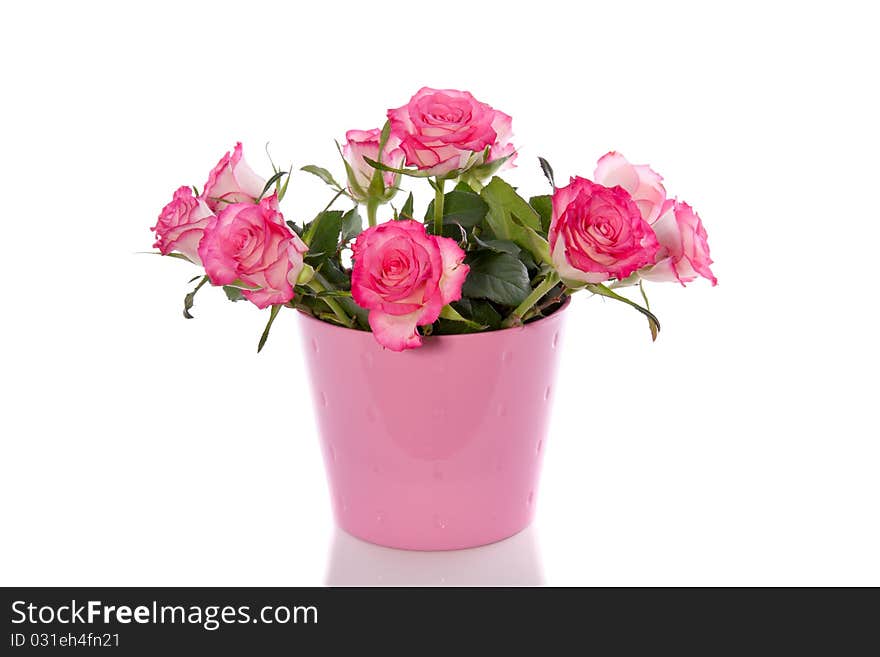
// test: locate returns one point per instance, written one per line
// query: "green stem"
(319, 286)
(438, 206)
(372, 207)
(516, 316)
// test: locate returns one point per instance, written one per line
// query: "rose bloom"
(597, 233)
(684, 246)
(181, 225)
(365, 143)
(250, 243)
(232, 181)
(644, 185)
(444, 129)
(404, 277)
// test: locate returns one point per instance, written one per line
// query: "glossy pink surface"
(436, 448)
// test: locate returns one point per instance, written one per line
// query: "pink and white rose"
(597, 233)
(404, 277)
(684, 246)
(232, 181)
(365, 143)
(644, 185)
(250, 243)
(181, 225)
(503, 146)
(444, 129)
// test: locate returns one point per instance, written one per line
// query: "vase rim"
(554, 316)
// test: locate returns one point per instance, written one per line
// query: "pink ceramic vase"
(435, 448)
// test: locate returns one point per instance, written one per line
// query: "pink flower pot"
(435, 448)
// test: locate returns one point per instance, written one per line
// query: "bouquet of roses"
(482, 257)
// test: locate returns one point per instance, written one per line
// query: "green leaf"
(277, 176)
(406, 212)
(501, 196)
(653, 322)
(294, 227)
(506, 246)
(322, 173)
(544, 207)
(463, 208)
(499, 277)
(322, 236)
(333, 275)
(450, 313)
(479, 315)
(189, 299)
(233, 293)
(265, 336)
(499, 246)
(352, 225)
(510, 217)
(480, 311)
(548, 171)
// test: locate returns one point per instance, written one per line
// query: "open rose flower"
(404, 277)
(684, 248)
(365, 143)
(250, 243)
(597, 233)
(232, 181)
(444, 129)
(644, 185)
(181, 225)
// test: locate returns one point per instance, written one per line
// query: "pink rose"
(597, 233)
(443, 130)
(684, 249)
(404, 277)
(365, 143)
(181, 225)
(232, 181)
(641, 181)
(250, 242)
(503, 147)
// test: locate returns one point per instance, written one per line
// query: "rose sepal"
(601, 290)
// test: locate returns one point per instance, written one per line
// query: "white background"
(740, 448)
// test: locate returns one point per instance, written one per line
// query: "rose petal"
(395, 332)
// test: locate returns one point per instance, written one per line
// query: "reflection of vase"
(434, 448)
(512, 562)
